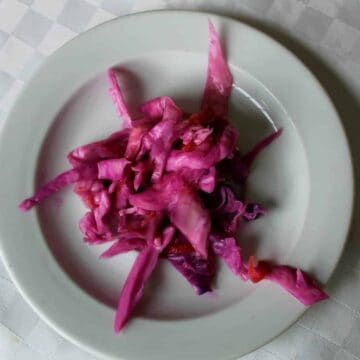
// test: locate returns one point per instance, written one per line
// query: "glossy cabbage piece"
(140, 272)
(133, 288)
(220, 147)
(230, 252)
(183, 207)
(112, 169)
(199, 272)
(200, 179)
(250, 156)
(298, 284)
(112, 147)
(161, 137)
(122, 246)
(219, 79)
(118, 98)
(66, 178)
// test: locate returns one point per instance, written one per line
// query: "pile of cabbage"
(171, 185)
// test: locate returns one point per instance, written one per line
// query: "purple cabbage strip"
(298, 284)
(112, 147)
(118, 98)
(122, 246)
(161, 137)
(112, 169)
(250, 156)
(135, 142)
(230, 252)
(253, 211)
(192, 219)
(133, 288)
(140, 272)
(155, 108)
(199, 272)
(84, 172)
(196, 134)
(201, 179)
(183, 207)
(200, 159)
(219, 79)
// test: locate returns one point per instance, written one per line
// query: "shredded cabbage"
(172, 184)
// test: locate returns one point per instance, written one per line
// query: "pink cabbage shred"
(171, 185)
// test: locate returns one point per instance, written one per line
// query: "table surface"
(325, 34)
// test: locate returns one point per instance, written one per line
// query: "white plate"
(305, 178)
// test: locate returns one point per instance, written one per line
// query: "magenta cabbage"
(199, 272)
(118, 98)
(133, 288)
(297, 283)
(79, 173)
(219, 79)
(172, 185)
(230, 252)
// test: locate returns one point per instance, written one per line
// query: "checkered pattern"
(30, 30)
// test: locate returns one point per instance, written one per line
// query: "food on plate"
(171, 185)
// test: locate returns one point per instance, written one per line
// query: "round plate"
(302, 179)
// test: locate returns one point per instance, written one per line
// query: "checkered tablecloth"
(325, 34)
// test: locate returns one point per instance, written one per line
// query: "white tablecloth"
(325, 34)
